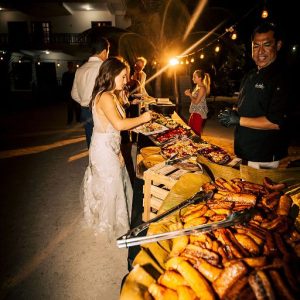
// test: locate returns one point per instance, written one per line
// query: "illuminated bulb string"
(231, 30)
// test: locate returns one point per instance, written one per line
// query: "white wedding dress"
(106, 189)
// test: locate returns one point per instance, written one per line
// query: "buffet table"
(235, 262)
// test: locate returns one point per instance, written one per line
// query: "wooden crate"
(158, 181)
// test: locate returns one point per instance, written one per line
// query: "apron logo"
(259, 86)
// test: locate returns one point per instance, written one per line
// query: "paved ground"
(46, 253)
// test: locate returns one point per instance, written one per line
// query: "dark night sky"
(247, 13)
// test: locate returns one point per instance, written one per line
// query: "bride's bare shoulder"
(104, 97)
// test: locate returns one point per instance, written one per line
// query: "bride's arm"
(107, 104)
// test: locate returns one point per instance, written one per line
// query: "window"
(41, 32)
(18, 36)
(101, 24)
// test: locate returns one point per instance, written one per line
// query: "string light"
(231, 31)
(38, 61)
(234, 35)
(264, 13)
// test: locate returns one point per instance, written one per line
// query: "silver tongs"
(174, 160)
(233, 219)
(133, 233)
(292, 189)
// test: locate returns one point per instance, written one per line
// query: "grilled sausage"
(280, 286)
(228, 277)
(261, 286)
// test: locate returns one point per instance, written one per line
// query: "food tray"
(150, 128)
(215, 154)
(182, 147)
(170, 134)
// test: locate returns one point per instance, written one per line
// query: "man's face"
(264, 49)
(139, 66)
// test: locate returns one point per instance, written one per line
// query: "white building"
(45, 35)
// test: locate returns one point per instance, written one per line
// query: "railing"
(31, 41)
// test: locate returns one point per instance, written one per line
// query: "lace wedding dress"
(106, 189)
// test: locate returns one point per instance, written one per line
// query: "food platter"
(164, 120)
(181, 147)
(150, 128)
(257, 255)
(171, 134)
(215, 154)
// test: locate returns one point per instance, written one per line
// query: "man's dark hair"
(99, 44)
(265, 27)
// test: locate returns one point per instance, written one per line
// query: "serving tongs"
(174, 160)
(232, 219)
(200, 196)
(292, 189)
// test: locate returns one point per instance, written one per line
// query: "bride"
(107, 191)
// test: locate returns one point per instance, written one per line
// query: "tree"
(160, 23)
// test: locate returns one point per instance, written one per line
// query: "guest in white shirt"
(84, 83)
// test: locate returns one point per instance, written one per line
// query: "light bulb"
(264, 14)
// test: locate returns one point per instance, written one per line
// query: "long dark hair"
(105, 80)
